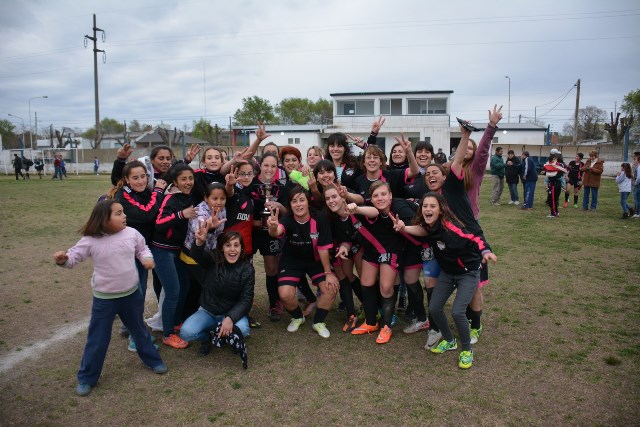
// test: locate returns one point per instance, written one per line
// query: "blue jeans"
(529, 191)
(624, 195)
(466, 285)
(513, 191)
(103, 311)
(200, 323)
(594, 197)
(636, 198)
(174, 276)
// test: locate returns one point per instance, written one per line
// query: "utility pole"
(95, 74)
(575, 117)
(36, 113)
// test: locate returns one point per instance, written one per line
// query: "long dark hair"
(125, 174)
(177, 170)
(97, 223)
(445, 212)
(157, 149)
(324, 165)
(348, 158)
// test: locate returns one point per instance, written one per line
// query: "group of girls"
(338, 220)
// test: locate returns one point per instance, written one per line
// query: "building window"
(293, 140)
(362, 107)
(391, 107)
(428, 106)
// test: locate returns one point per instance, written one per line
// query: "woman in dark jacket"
(512, 175)
(227, 289)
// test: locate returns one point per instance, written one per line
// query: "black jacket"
(456, 250)
(141, 209)
(171, 227)
(227, 289)
(512, 172)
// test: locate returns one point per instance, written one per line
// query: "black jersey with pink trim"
(395, 177)
(456, 196)
(304, 240)
(257, 192)
(171, 227)
(457, 250)
(141, 208)
(414, 188)
(575, 174)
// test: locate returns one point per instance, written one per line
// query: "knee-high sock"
(417, 295)
(388, 308)
(566, 196)
(272, 290)
(320, 315)
(370, 303)
(575, 199)
(296, 313)
(357, 288)
(475, 319)
(347, 296)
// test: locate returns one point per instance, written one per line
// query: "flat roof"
(411, 92)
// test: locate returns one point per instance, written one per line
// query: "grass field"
(561, 340)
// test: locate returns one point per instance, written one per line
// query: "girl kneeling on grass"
(227, 288)
(115, 288)
(460, 255)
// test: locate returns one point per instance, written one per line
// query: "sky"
(174, 62)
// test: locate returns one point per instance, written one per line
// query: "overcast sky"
(160, 54)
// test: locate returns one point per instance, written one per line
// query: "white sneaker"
(321, 329)
(636, 216)
(433, 339)
(295, 324)
(416, 326)
(510, 202)
(516, 203)
(155, 322)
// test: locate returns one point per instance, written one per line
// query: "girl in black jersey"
(268, 246)
(210, 171)
(307, 237)
(382, 252)
(574, 180)
(460, 254)
(348, 251)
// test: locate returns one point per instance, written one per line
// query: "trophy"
(268, 197)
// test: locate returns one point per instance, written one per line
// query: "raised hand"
(201, 233)
(272, 221)
(261, 133)
(406, 144)
(60, 257)
(240, 157)
(398, 224)
(358, 141)
(495, 116)
(215, 221)
(125, 151)
(232, 177)
(192, 153)
(377, 124)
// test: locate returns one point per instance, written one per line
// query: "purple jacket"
(478, 167)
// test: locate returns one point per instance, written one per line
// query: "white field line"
(8, 361)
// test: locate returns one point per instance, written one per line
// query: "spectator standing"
(39, 165)
(529, 178)
(592, 170)
(17, 166)
(575, 180)
(57, 170)
(497, 170)
(636, 183)
(440, 157)
(96, 165)
(63, 167)
(623, 179)
(512, 176)
(26, 164)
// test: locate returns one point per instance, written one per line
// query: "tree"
(612, 127)
(303, 111)
(9, 138)
(202, 129)
(591, 122)
(631, 102)
(254, 109)
(107, 126)
(134, 126)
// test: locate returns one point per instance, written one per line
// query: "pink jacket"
(114, 268)
(478, 167)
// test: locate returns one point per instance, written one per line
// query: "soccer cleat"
(465, 360)
(273, 315)
(384, 336)
(253, 323)
(160, 369)
(565, 204)
(177, 328)
(321, 329)
(416, 326)
(350, 325)
(445, 346)
(394, 320)
(364, 328)
(575, 205)
(175, 341)
(475, 334)
(432, 339)
(295, 324)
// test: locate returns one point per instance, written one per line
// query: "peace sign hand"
(398, 224)
(377, 124)
(272, 221)
(406, 145)
(240, 157)
(201, 233)
(358, 141)
(125, 151)
(232, 177)
(261, 133)
(215, 221)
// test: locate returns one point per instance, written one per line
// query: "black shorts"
(394, 260)
(414, 255)
(291, 273)
(484, 275)
(265, 244)
(575, 182)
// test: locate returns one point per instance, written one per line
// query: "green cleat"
(445, 346)
(465, 360)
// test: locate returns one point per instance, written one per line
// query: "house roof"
(283, 128)
(411, 92)
(154, 137)
(514, 127)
